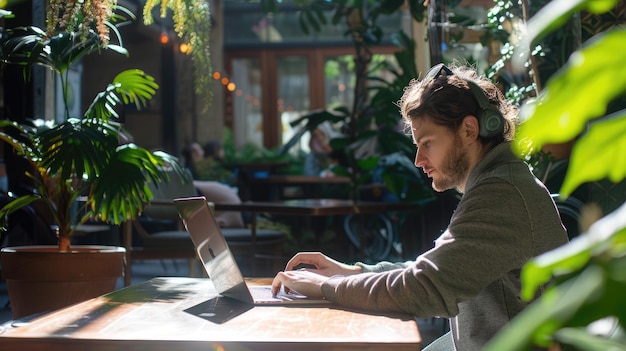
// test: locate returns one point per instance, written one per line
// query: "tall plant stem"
(362, 60)
(64, 77)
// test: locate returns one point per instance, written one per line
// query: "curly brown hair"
(446, 99)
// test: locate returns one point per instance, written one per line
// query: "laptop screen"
(212, 248)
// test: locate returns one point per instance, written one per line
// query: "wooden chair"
(160, 234)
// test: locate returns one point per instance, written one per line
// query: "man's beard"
(454, 168)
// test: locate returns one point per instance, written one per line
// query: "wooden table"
(315, 207)
(309, 184)
(300, 179)
(171, 314)
(250, 170)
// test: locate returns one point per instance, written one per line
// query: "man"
(191, 154)
(462, 127)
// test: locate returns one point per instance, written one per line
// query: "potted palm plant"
(79, 169)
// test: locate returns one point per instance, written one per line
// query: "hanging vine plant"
(192, 23)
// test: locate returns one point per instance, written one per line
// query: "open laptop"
(219, 262)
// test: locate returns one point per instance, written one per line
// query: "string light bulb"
(164, 38)
(184, 48)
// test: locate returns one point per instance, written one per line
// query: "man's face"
(440, 154)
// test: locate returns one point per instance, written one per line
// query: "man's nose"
(419, 159)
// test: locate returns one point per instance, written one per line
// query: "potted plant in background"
(78, 168)
(375, 151)
(372, 138)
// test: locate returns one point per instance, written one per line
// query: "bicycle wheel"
(378, 232)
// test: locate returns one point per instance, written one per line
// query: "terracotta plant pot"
(41, 278)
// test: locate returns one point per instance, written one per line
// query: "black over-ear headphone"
(490, 120)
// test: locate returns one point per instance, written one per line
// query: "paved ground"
(430, 329)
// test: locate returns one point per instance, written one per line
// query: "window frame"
(268, 59)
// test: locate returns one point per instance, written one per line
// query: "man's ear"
(470, 128)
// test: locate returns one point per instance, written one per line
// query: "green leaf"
(22, 46)
(581, 338)
(540, 270)
(562, 110)
(30, 45)
(6, 14)
(553, 16)
(368, 163)
(310, 17)
(18, 145)
(77, 148)
(417, 9)
(135, 86)
(599, 154)
(302, 20)
(130, 86)
(313, 120)
(319, 12)
(337, 16)
(574, 255)
(129, 169)
(118, 49)
(15, 205)
(548, 313)
(65, 48)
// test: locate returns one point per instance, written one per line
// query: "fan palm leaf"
(27, 46)
(132, 86)
(77, 148)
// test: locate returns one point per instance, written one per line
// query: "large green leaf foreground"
(576, 95)
(599, 258)
(587, 277)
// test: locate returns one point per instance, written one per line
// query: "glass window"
(340, 79)
(293, 91)
(247, 101)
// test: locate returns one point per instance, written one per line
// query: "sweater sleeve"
(488, 236)
(382, 266)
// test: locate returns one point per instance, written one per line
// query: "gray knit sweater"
(472, 275)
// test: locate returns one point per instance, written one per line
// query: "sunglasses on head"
(436, 71)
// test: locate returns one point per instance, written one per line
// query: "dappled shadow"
(156, 289)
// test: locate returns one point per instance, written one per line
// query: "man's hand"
(302, 281)
(308, 281)
(323, 265)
